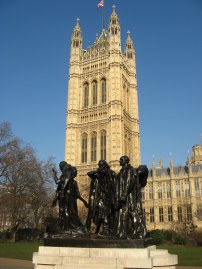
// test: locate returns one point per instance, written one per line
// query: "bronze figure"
(130, 221)
(67, 194)
(101, 198)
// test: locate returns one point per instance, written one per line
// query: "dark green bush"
(29, 234)
(158, 236)
(197, 235)
(51, 225)
(166, 236)
(5, 236)
(169, 235)
(180, 239)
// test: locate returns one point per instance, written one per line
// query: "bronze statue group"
(114, 204)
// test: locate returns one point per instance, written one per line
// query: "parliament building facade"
(103, 123)
(172, 198)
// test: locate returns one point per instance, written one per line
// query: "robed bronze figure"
(67, 194)
(102, 199)
(130, 221)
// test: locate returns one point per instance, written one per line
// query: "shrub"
(29, 234)
(180, 239)
(158, 236)
(169, 235)
(5, 236)
(51, 225)
(197, 235)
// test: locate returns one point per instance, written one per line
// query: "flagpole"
(102, 4)
(103, 16)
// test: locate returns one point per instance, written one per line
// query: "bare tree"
(185, 224)
(25, 190)
(15, 182)
(41, 191)
(7, 143)
(83, 211)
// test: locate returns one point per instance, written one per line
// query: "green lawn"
(187, 255)
(23, 251)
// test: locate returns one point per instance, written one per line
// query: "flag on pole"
(101, 4)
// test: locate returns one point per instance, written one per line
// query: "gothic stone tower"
(102, 115)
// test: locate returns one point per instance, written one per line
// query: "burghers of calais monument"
(102, 150)
(114, 201)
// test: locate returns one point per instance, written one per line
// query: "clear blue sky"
(34, 56)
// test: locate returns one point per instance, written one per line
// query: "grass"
(22, 251)
(187, 255)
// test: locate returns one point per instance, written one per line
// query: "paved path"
(15, 264)
(21, 264)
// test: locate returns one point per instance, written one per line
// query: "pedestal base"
(98, 242)
(103, 258)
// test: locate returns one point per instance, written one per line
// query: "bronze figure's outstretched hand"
(54, 171)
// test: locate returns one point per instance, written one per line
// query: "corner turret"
(114, 31)
(129, 52)
(76, 42)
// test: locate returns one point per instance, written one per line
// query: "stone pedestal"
(97, 242)
(103, 258)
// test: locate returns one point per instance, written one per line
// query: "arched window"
(86, 94)
(104, 91)
(130, 55)
(127, 100)
(103, 145)
(127, 147)
(114, 21)
(114, 30)
(94, 93)
(84, 148)
(93, 147)
(76, 43)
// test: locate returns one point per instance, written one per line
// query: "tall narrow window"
(197, 188)
(178, 193)
(94, 93)
(103, 148)
(160, 190)
(199, 211)
(93, 147)
(151, 191)
(84, 148)
(151, 214)
(161, 218)
(127, 100)
(170, 214)
(86, 95)
(168, 190)
(186, 189)
(126, 143)
(189, 213)
(179, 213)
(104, 91)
